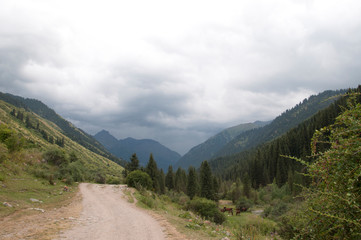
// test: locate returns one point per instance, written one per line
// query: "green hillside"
(63, 125)
(209, 148)
(25, 132)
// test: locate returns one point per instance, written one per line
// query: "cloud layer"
(176, 71)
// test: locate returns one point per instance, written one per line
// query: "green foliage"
(113, 180)
(206, 180)
(55, 156)
(333, 204)
(178, 197)
(133, 164)
(169, 178)
(139, 179)
(192, 183)
(207, 209)
(244, 203)
(255, 227)
(153, 172)
(12, 140)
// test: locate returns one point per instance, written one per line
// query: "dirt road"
(107, 215)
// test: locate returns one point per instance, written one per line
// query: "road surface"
(107, 215)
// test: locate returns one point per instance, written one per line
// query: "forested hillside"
(287, 120)
(209, 148)
(266, 162)
(67, 128)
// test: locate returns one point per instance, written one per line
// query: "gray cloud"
(176, 72)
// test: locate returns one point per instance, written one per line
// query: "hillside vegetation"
(35, 156)
(68, 129)
(280, 125)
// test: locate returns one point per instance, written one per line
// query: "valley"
(263, 171)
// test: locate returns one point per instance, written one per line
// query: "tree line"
(193, 182)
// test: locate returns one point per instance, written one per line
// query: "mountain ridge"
(125, 148)
(207, 149)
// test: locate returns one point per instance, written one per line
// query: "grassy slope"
(91, 160)
(18, 184)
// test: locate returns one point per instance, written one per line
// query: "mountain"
(66, 127)
(209, 148)
(143, 148)
(33, 135)
(280, 125)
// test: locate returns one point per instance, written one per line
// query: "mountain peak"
(124, 148)
(105, 138)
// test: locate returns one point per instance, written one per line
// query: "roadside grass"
(17, 190)
(244, 226)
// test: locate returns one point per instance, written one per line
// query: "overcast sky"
(176, 71)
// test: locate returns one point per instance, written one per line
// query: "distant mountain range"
(246, 136)
(209, 148)
(124, 148)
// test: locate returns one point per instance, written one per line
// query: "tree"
(206, 180)
(169, 178)
(161, 180)
(133, 164)
(246, 186)
(192, 183)
(153, 172)
(180, 182)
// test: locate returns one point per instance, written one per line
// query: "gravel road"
(107, 215)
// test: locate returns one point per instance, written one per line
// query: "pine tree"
(206, 180)
(161, 180)
(180, 181)
(153, 172)
(169, 178)
(192, 183)
(246, 186)
(134, 163)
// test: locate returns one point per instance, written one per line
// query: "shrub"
(113, 180)
(55, 156)
(139, 179)
(100, 178)
(244, 203)
(207, 209)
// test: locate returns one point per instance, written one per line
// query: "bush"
(75, 170)
(178, 197)
(100, 178)
(207, 209)
(55, 156)
(244, 203)
(139, 179)
(113, 180)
